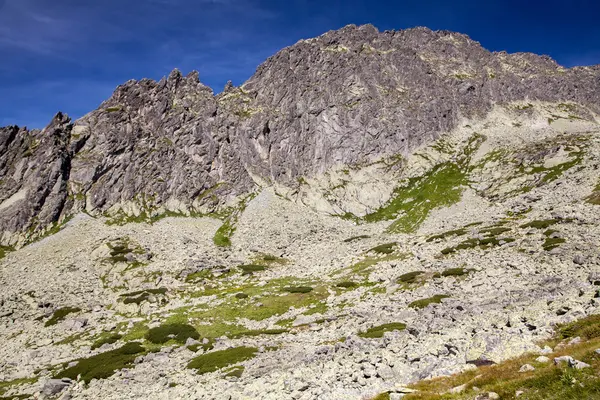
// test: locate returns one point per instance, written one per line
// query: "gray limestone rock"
(346, 97)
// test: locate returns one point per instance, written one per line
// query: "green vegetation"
(547, 382)
(223, 235)
(382, 396)
(121, 249)
(522, 107)
(259, 332)
(4, 250)
(455, 272)
(114, 109)
(494, 231)
(103, 365)
(444, 235)
(60, 315)
(387, 248)
(167, 332)
(586, 328)
(235, 372)
(552, 243)
(298, 289)
(204, 346)
(540, 224)
(211, 362)
(249, 269)
(270, 259)
(355, 238)
(199, 276)
(222, 319)
(422, 303)
(347, 285)
(410, 277)
(363, 267)
(8, 385)
(141, 295)
(594, 198)
(37, 233)
(481, 243)
(378, 331)
(110, 339)
(417, 197)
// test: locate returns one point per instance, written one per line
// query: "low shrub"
(347, 285)
(60, 315)
(103, 365)
(410, 277)
(387, 248)
(455, 272)
(251, 268)
(177, 332)
(378, 331)
(114, 338)
(211, 362)
(419, 304)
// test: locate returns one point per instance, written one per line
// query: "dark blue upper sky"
(69, 55)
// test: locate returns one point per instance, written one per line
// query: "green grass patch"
(9, 385)
(270, 259)
(4, 250)
(61, 314)
(474, 242)
(199, 276)
(141, 295)
(251, 268)
(541, 224)
(221, 319)
(494, 231)
(347, 285)
(410, 277)
(378, 331)
(259, 332)
(586, 328)
(455, 272)
(441, 186)
(235, 372)
(422, 303)
(167, 332)
(110, 339)
(216, 360)
(593, 198)
(552, 243)
(103, 365)
(298, 289)
(547, 382)
(387, 248)
(444, 235)
(223, 235)
(355, 238)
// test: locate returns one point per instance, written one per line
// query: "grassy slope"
(547, 381)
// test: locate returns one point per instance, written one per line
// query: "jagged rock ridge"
(347, 97)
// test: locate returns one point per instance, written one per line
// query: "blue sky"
(69, 55)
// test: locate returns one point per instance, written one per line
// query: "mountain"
(348, 97)
(367, 212)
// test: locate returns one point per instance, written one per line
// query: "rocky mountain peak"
(348, 97)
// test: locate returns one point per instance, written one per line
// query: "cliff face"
(347, 97)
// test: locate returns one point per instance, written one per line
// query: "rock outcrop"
(348, 97)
